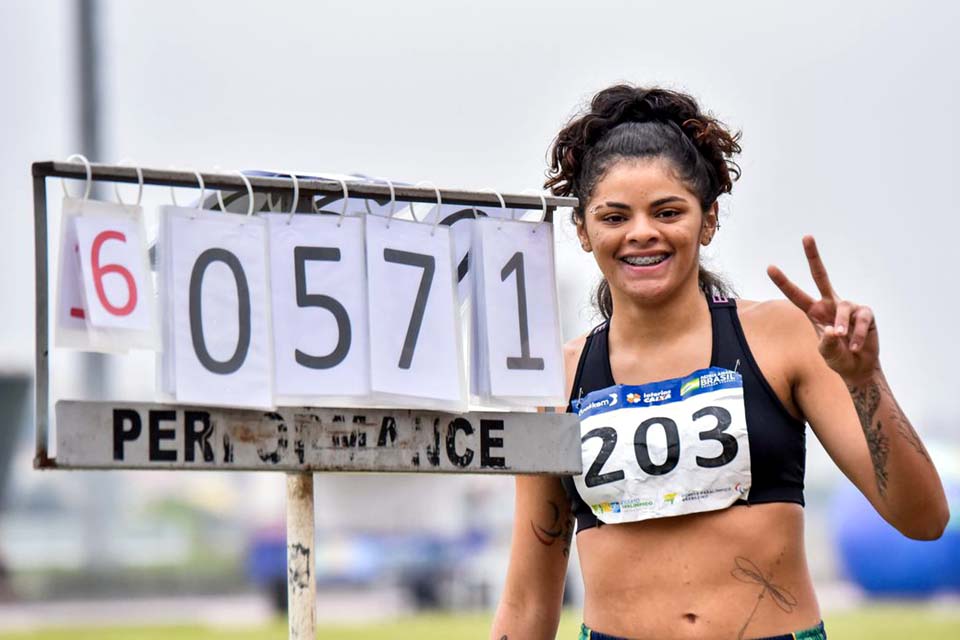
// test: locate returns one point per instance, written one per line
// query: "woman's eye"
(668, 213)
(614, 218)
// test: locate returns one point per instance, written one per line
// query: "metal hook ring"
(86, 163)
(116, 186)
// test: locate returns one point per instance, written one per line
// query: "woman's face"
(645, 229)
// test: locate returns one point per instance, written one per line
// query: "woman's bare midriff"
(736, 573)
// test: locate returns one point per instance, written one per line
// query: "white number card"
(415, 348)
(116, 275)
(166, 360)
(106, 300)
(71, 316)
(666, 448)
(518, 350)
(223, 351)
(319, 292)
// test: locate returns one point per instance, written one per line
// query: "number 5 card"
(318, 285)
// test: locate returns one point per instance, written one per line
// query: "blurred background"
(850, 132)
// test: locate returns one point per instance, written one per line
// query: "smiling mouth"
(645, 261)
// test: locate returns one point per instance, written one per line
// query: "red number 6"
(99, 272)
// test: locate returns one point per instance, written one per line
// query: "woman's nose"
(642, 230)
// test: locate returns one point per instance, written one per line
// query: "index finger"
(794, 294)
(817, 268)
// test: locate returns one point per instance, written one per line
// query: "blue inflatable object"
(882, 561)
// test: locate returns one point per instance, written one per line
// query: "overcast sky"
(849, 113)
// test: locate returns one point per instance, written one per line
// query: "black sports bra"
(777, 439)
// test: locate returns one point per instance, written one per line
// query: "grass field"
(872, 622)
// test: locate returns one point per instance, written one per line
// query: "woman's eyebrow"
(657, 203)
(616, 205)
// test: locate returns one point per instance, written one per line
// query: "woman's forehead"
(645, 180)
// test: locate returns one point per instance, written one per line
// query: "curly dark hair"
(624, 121)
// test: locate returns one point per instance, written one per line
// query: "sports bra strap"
(591, 357)
(718, 300)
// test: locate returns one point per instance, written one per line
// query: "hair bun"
(624, 103)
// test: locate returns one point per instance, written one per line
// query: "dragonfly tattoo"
(747, 571)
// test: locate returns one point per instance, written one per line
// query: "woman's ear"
(711, 224)
(581, 223)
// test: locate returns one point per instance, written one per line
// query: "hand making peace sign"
(847, 331)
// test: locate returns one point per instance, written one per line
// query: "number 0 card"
(223, 353)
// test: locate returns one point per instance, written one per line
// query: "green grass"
(887, 622)
(871, 622)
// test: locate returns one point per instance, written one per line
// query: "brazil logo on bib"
(666, 448)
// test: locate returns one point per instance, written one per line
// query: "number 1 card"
(519, 346)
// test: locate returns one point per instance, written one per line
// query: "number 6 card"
(116, 304)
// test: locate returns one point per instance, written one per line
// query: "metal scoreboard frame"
(295, 440)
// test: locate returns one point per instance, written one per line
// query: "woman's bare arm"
(539, 549)
(845, 396)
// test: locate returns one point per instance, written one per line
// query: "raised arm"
(843, 393)
(540, 546)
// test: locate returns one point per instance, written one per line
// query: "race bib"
(666, 448)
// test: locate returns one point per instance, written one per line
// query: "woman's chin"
(651, 292)
(648, 293)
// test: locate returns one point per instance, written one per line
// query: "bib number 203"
(608, 435)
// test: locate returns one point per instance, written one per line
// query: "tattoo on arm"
(866, 399)
(745, 570)
(904, 428)
(557, 526)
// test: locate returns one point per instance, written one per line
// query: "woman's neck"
(634, 323)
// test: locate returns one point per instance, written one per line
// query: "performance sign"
(116, 435)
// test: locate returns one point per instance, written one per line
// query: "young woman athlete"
(689, 514)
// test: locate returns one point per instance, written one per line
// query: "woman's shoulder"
(573, 348)
(778, 314)
(775, 320)
(782, 342)
(571, 358)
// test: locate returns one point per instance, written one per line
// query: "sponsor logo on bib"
(596, 404)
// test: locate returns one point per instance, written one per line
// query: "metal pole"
(95, 365)
(96, 370)
(101, 491)
(88, 76)
(41, 383)
(301, 582)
